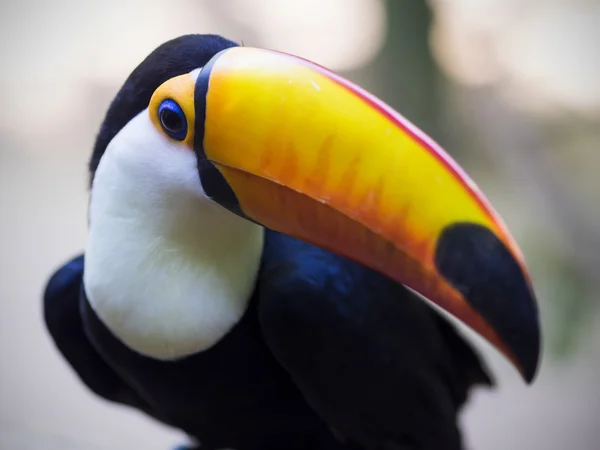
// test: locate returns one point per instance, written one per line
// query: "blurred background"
(511, 88)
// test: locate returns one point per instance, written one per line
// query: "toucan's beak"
(305, 152)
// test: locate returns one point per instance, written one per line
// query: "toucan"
(266, 245)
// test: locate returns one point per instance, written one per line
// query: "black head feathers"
(173, 58)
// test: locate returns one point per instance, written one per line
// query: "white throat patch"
(168, 271)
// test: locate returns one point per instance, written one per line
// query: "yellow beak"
(307, 153)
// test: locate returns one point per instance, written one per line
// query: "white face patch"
(167, 270)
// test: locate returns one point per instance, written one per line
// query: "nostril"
(478, 264)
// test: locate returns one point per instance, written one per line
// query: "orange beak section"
(307, 153)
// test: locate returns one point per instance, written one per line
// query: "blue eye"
(172, 120)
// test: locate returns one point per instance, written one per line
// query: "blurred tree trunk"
(405, 74)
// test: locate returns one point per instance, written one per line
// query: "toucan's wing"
(376, 362)
(63, 321)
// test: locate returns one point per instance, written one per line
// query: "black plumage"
(326, 348)
(391, 372)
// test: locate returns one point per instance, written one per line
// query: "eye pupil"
(172, 119)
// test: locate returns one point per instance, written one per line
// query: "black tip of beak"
(480, 266)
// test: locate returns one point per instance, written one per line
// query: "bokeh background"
(511, 88)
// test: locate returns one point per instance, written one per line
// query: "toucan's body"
(396, 371)
(234, 395)
(242, 325)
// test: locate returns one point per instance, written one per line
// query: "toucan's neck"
(168, 271)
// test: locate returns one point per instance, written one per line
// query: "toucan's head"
(291, 146)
